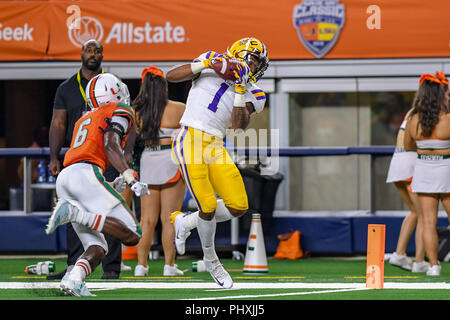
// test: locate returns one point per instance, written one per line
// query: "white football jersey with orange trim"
(210, 101)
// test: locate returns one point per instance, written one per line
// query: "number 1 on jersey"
(213, 105)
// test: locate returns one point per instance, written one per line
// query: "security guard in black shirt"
(70, 103)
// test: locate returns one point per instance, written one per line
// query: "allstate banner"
(139, 30)
(177, 30)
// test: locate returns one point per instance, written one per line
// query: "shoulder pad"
(124, 110)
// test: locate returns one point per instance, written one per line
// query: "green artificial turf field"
(303, 279)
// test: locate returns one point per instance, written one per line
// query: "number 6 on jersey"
(81, 134)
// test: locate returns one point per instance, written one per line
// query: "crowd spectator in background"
(388, 113)
(157, 119)
(69, 105)
(400, 173)
(428, 132)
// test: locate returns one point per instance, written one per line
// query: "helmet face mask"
(247, 49)
(125, 93)
(260, 69)
(106, 88)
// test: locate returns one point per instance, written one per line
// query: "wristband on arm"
(239, 100)
(197, 67)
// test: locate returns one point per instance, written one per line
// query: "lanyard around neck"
(81, 87)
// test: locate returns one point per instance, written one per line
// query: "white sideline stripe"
(211, 285)
(247, 296)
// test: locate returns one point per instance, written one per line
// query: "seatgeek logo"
(8, 33)
(86, 28)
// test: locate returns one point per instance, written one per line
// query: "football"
(224, 68)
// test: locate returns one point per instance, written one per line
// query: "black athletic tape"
(117, 128)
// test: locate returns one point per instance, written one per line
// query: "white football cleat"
(61, 215)
(181, 233)
(219, 274)
(74, 287)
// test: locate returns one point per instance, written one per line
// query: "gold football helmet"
(248, 48)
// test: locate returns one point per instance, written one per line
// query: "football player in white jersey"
(212, 106)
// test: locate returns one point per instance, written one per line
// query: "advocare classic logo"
(318, 24)
(84, 29)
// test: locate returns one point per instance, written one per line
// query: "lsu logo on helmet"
(318, 24)
(248, 48)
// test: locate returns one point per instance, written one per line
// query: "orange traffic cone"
(255, 258)
(129, 253)
(289, 246)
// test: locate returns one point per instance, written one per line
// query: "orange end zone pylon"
(376, 237)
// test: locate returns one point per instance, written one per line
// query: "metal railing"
(28, 154)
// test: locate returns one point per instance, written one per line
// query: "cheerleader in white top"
(157, 120)
(428, 132)
(401, 174)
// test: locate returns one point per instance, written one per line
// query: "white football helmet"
(106, 88)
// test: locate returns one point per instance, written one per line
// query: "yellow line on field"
(266, 277)
(28, 277)
(161, 278)
(388, 277)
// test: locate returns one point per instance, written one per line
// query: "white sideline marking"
(247, 296)
(211, 285)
